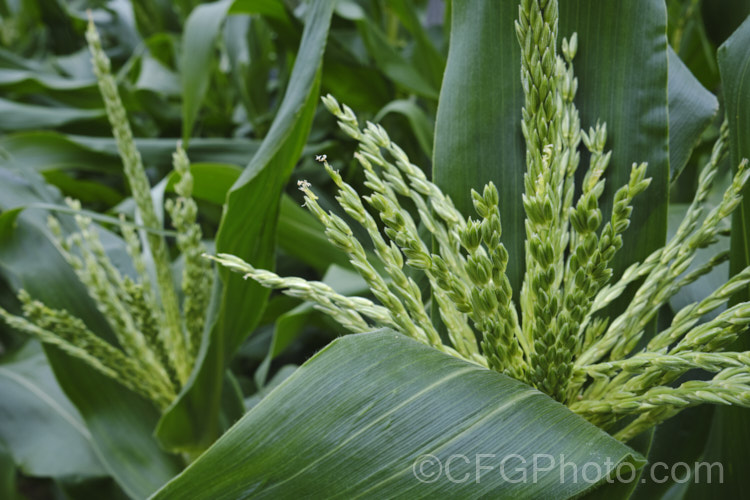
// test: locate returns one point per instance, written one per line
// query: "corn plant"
(519, 323)
(557, 340)
(158, 343)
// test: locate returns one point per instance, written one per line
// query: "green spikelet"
(197, 275)
(172, 323)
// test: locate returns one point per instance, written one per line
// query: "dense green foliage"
(150, 354)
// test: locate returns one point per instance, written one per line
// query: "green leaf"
(682, 438)
(248, 229)
(18, 116)
(38, 420)
(346, 425)
(158, 78)
(248, 225)
(269, 8)
(281, 375)
(730, 429)
(622, 79)
(159, 151)
(8, 488)
(120, 422)
(198, 41)
(44, 151)
(51, 151)
(212, 181)
(8, 222)
(734, 65)
(691, 110)
(425, 57)
(83, 190)
(478, 128)
(75, 91)
(622, 75)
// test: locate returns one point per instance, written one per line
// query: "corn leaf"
(730, 429)
(248, 229)
(348, 425)
(119, 421)
(622, 72)
(38, 420)
(691, 110)
(478, 127)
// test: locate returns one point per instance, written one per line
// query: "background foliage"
(239, 82)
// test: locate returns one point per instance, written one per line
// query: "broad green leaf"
(361, 87)
(723, 17)
(8, 221)
(622, 75)
(248, 225)
(250, 48)
(682, 438)
(212, 181)
(120, 422)
(622, 80)
(730, 429)
(19, 116)
(269, 8)
(349, 9)
(82, 488)
(687, 34)
(348, 425)
(45, 151)
(156, 77)
(198, 41)
(37, 420)
(248, 229)
(691, 110)
(74, 91)
(478, 128)
(281, 375)
(86, 191)
(159, 151)
(630, 479)
(51, 151)
(734, 64)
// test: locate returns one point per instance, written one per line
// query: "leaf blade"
(342, 426)
(248, 229)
